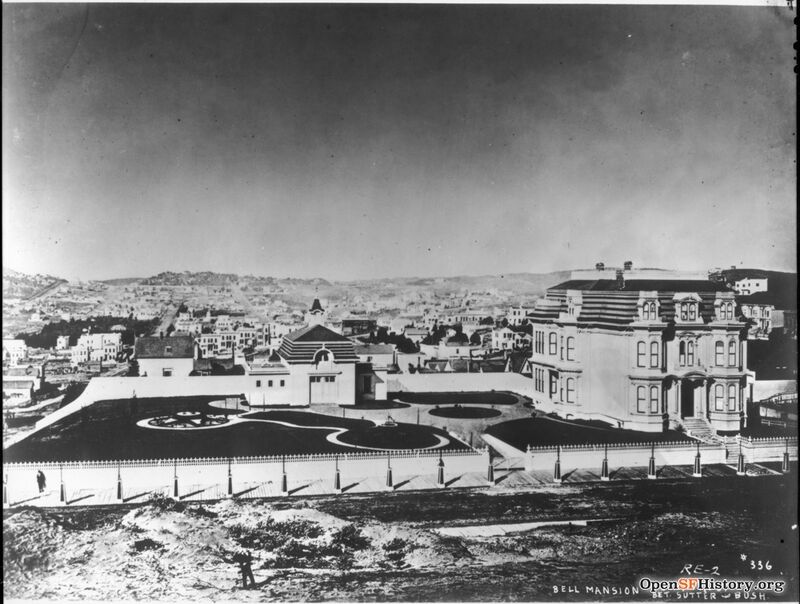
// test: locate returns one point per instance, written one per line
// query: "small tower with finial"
(316, 314)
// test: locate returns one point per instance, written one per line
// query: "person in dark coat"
(41, 481)
(244, 559)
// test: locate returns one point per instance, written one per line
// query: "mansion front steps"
(699, 428)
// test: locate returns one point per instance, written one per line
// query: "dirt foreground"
(387, 547)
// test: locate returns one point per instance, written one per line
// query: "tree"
(475, 339)
(487, 321)
(504, 322)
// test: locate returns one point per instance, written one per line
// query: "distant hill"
(123, 281)
(189, 278)
(21, 285)
(781, 286)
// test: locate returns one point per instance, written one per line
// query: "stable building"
(313, 365)
(644, 350)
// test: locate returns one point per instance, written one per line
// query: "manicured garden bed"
(108, 430)
(461, 398)
(399, 436)
(546, 431)
(465, 412)
(302, 418)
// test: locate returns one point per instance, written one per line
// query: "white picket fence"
(679, 453)
(211, 474)
(756, 450)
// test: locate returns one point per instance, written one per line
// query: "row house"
(641, 352)
(14, 351)
(96, 347)
(516, 315)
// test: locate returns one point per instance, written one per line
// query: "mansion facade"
(643, 350)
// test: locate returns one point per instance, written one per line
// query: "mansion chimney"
(600, 266)
(628, 265)
(620, 279)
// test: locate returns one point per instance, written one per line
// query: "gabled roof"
(172, 347)
(302, 345)
(315, 333)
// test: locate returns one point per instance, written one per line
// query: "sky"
(364, 141)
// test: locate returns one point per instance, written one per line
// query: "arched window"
(731, 397)
(730, 310)
(641, 354)
(641, 400)
(719, 354)
(684, 312)
(553, 343)
(570, 390)
(690, 353)
(570, 348)
(682, 353)
(692, 311)
(732, 353)
(653, 311)
(654, 346)
(719, 397)
(646, 311)
(653, 399)
(322, 356)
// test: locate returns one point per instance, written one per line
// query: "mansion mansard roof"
(302, 346)
(616, 304)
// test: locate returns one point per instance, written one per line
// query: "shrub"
(141, 545)
(162, 503)
(268, 534)
(349, 537)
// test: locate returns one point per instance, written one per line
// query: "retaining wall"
(460, 382)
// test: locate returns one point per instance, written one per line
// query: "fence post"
(528, 459)
(62, 497)
(5, 490)
(175, 479)
(230, 477)
(337, 479)
(740, 469)
(604, 467)
(440, 472)
(785, 465)
(490, 468)
(389, 482)
(119, 481)
(557, 469)
(284, 481)
(698, 471)
(651, 466)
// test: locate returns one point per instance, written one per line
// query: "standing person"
(41, 481)
(244, 558)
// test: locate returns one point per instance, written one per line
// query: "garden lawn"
(462, 398)
(465, 412)
(107, 430)
(546, 431)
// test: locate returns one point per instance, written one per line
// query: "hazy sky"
(366, 141)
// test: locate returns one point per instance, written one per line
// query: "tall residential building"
(644, 350)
